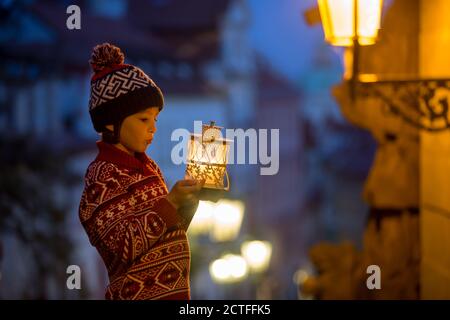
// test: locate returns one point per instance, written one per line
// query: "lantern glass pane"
(337, 18)
(207, 161)
(369, 16)
(338, 21)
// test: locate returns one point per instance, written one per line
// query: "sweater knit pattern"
(137, 232)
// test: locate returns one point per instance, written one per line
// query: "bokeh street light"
(221, 220)
(203, 219)
(228, 269)
(257, 254)
(227, 220)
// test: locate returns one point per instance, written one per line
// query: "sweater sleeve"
(187, 213)
(123, 228)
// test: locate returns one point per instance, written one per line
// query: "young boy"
(138, 228)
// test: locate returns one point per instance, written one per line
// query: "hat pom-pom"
(105, 55)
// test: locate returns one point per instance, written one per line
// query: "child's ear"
(109, 127)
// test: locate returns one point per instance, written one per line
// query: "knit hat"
(117, 89)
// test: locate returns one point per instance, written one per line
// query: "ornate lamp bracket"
(423, 103)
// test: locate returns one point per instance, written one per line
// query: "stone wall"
(434, 48)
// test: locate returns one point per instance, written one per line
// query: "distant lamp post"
(228, 216)
(348, 21)
(203, 219)
(257, 254)
(207, 159)
(228, 269)
(221, 220)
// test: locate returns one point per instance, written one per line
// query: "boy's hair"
(112, 137)
(118, 90)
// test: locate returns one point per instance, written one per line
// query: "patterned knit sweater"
(138, 233)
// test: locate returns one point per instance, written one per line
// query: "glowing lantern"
(207, 158)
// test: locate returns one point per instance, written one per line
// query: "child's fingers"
(187, 182)
(191, 182)
(192, 188)
(189, 185)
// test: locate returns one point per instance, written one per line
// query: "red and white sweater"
(138, 233)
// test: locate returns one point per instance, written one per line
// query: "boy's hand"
(185, 193)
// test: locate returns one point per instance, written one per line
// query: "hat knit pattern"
(117, 89)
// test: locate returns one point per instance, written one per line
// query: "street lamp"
(348, 21)
(228, 269)
(221, 220)
(257, 254)
(203, 219)
(228, 216)
(353, 23)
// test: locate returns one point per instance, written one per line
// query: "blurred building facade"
(414, 36)
(45, 90)
(434, 41)
(406, 231)
(205, 64)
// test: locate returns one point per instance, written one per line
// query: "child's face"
(137, 130)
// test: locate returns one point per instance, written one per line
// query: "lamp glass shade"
(338, 20)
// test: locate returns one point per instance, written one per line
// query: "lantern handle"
(228, 181)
